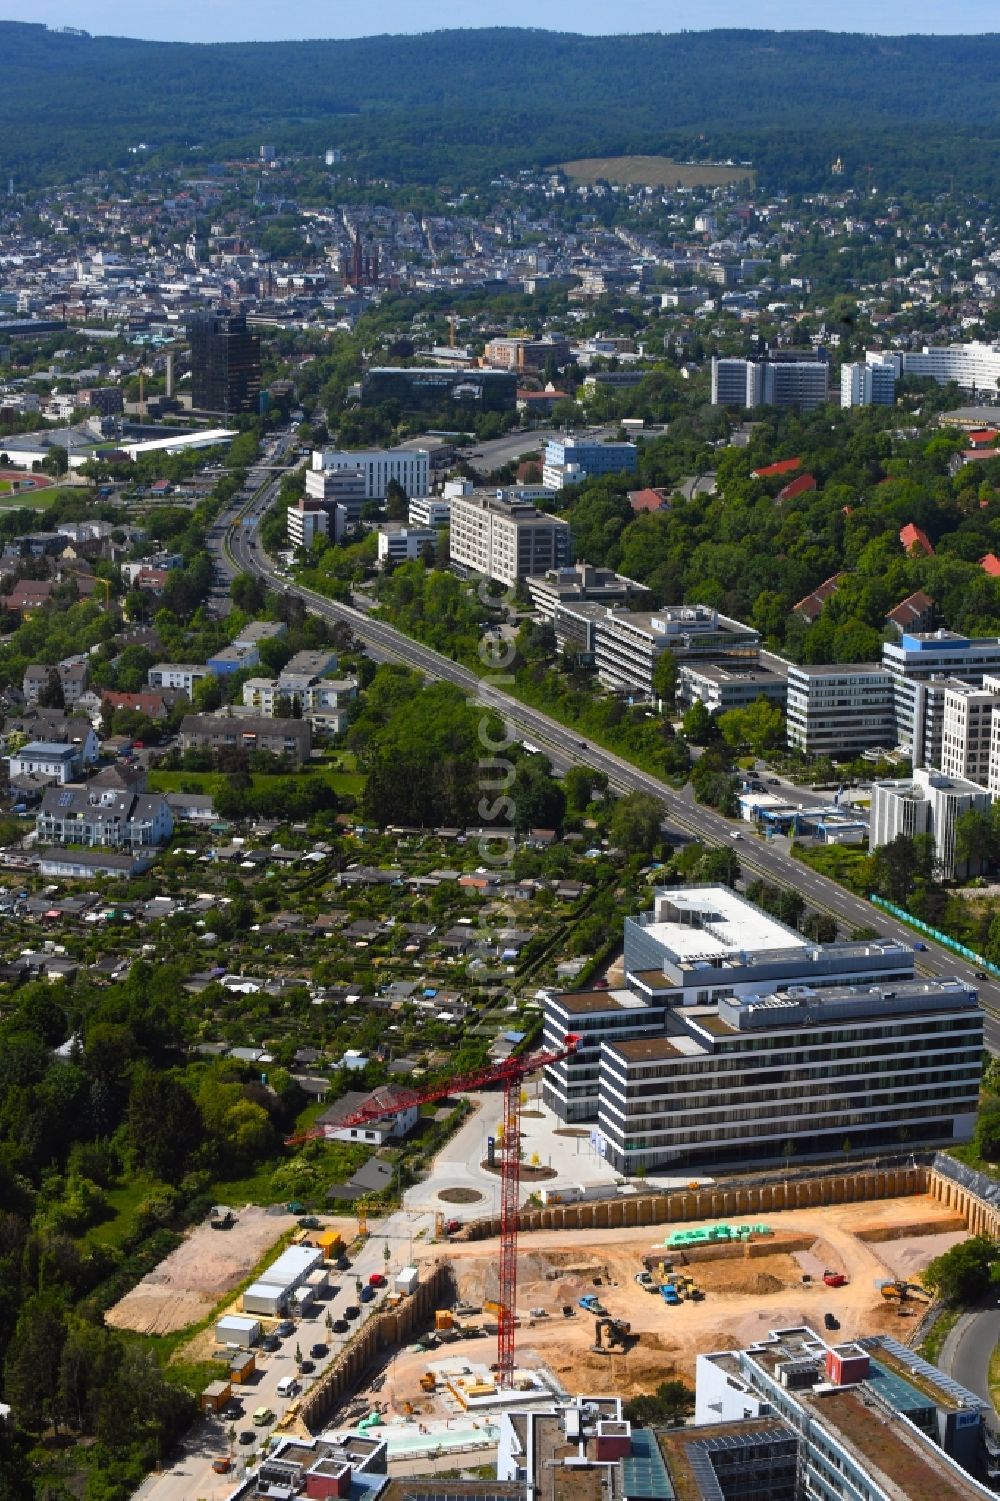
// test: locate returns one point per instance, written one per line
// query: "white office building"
(309, 519)
(409, 467)
(506, 540)
(975, 366)
(429, 510)
(835, 709)
(399, 543)
(920, 664)
(628, 643)
(967, 730)
(180, 675)
(734, 1035)
(927, 803)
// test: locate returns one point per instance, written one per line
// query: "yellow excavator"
(902, 1292)
(617, 1332)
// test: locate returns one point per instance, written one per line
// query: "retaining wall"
(629, 1211)
(389, 1329)
(981, 1216)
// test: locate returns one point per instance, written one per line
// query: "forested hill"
(472, 102)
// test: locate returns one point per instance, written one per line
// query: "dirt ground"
(189, 1282)
(744, 1297)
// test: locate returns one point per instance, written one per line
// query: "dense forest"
(467, 103)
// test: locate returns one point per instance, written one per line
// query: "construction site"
(626, 1310)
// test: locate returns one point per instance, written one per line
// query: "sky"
(262, 20)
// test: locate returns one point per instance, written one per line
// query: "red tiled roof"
(812, 604)
(647, 500)
(150, 704)
(991, 565)
(982, 437)
(783, 466)
(910, 610)
(798, 486)
(914, 538)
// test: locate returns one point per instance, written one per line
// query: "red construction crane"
(510, 1075)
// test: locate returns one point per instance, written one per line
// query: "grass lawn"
(35, 500)
(344, 783)
(123, 1204)
(656, 171)
(844, 863)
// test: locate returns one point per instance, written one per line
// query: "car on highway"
(921, 947)
(981, 974)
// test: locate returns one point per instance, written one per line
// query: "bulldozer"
(617, 1332)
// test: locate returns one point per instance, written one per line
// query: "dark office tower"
(225, 364)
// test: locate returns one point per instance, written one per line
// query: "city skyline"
(224, 20)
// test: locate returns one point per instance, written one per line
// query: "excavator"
(618, 1332)
(903, 1291)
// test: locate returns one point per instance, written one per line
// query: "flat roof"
(584, 1002)
(712, 922)
(912, 1465)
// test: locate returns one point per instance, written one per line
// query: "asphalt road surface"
(966, 1354)
(237, 550)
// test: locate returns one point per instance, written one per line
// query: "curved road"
(237, 551)
(966, 1353)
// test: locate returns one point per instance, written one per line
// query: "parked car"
(352, 1311)
(318, 1351)
(367, 1294)
(376, 1280)
(270, 1342)
(248, 1436)
(232, 1410)
(262, 1417)
(284, 1329)
(340, 1326)
(307, 1366)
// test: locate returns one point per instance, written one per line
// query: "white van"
(287, 1386)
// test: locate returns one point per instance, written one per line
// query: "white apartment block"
(308, 520)
(868, 385)
(928, 803)
(506, 541)
(967, 730)
(627, 643)
(409, 467)
(833, 709)
(180, 675)
(991, 685)
(399, 543)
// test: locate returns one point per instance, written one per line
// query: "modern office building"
(225, 364)
(873, 1421)
(835, 709)
(967, 730)
(309, 519)
(974, 366)
(409, 467)
(920, 664)
(628, 643)
(431, 387)
(734, 1036)
(429, 510)
(570, 460)
(866, 385)
(337, 487)
(506, 540)
(930, 802)
(401, 543)
(581, 581)
(782, 380)
(721, 686)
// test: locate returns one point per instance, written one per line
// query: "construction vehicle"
(428, 1382)
(591, 1304)
(668, 1293)
(510, 1076)
(904, 1290)
(646, 1282)
(834, 1279)
(618, 1332)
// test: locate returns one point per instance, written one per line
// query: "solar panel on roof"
(65, 798)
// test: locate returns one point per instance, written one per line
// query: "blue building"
(570, 460)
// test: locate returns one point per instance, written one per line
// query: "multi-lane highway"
(238, 550)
